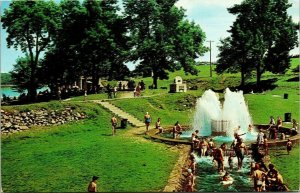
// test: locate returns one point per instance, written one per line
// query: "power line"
(210, 41)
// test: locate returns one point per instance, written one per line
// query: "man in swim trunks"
(240, 151)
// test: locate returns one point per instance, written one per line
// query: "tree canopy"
(261, 37)
(158, 34)
(64, 41)
(31, 26)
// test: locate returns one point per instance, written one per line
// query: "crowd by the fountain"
(264, 178)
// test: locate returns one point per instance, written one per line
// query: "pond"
(10, 92)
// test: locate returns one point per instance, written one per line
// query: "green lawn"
(288, 165)
(64, 158)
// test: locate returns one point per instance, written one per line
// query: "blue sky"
(211, 15)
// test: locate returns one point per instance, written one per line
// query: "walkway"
(120, 113)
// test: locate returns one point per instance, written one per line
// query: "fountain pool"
(209, 180)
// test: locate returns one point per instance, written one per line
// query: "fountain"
(213, 118)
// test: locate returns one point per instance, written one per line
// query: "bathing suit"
(148, 120)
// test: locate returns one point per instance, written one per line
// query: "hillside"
(6, 79)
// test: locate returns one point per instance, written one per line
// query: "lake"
(9, 92)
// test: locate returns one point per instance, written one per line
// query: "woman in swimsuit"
(157, 126)
(147, 118)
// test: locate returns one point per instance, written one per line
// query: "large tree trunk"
(155, 81)
(242, 79)
(242, 76)
(32, 93)
(32, 88)
(258, 76)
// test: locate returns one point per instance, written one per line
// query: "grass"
(64, 158)
(288, 165)
(169, 107)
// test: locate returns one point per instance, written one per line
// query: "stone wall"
(12, 122)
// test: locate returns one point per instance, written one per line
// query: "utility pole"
(210, 56)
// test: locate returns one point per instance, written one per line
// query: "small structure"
(178, 85)
(219, 127)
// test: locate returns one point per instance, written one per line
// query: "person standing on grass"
(93, 184)
(295, 124)
(85, 95)
(289, 146)
(114, 123)
(147, 119)
(115, 92)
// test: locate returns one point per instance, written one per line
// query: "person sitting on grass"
(93, 184)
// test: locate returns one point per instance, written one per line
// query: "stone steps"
(120, 113)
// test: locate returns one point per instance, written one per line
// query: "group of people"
(111, 91)
(189, 182)
(262, 139)
(274, 127)
(203, 147)
(266, 179)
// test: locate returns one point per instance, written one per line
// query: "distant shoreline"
(7, 85)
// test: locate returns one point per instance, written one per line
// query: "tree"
(189, 45)
(154, 27)
(61, 64)
(262, 36)
(103, 49)
(30, 26)
(21, 74)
